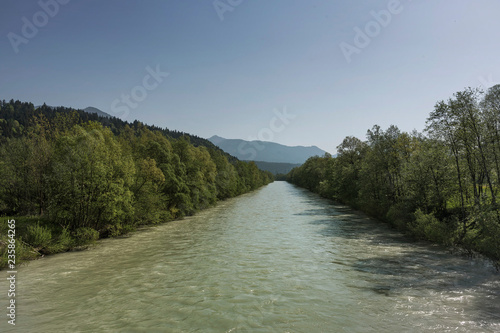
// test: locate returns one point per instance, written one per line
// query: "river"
(279, 259)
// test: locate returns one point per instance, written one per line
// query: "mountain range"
(269, 156)
(266, 151)
(91, 109)
(88, 109)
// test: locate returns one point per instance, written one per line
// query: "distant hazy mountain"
(276, 168)
(88, 109)
(91, 109)
(266, 151)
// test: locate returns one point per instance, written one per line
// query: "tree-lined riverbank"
(441, 185)
(69, 181)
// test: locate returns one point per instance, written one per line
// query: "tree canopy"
(86, 175)
(441, 185)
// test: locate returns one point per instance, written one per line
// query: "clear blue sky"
(228, 76)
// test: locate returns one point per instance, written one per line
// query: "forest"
(69, 178)
(441, 185)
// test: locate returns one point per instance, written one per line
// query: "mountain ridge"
(266, 151)
(91, 109)
(88, 109)
(28, 110)
(276, 168)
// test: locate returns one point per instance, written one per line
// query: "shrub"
(4, 226)
(489, 243)
(85, 236)
(114, 230)
(23, 252)
(400, 215)
(39, 237)
(427, 226)
(64, 242)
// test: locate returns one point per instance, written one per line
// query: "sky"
(295, 72)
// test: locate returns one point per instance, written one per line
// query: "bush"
(428, 227)
(117, 229)
(489, 243)
(64, 242)
(4, 226)
(3, 251)
(23, 252)
(400, 215)
(39, 237)
(85, 236)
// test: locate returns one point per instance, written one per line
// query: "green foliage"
(23, 252)
(488, 240)
(85, 236)
(63, 242)
(427, 226)
(442, 186)
(400, 214)
(38, 236)
(84, 176)
(92, 186)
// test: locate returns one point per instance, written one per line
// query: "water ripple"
(279, 259)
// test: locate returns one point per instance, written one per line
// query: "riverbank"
(69, 178)
(422, 227)
(36, 237)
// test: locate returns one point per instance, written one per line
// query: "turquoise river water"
(279, 259)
